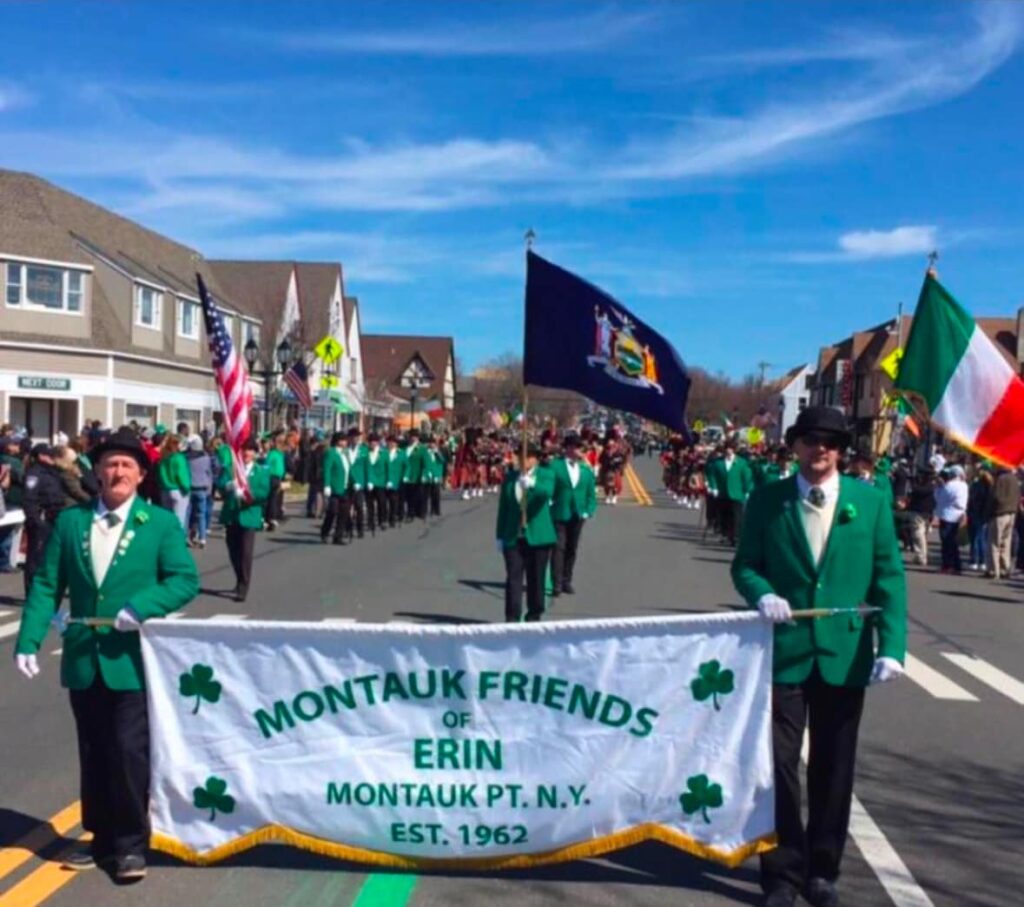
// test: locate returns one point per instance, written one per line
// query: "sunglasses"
(814, 439)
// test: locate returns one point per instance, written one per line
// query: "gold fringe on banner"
(581, 851)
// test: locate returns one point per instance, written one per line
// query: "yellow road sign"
(891, 363)
(328, 350)
(698, 425)
(328, 381)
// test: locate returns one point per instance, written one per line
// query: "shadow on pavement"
(425, 618)
(485, 586)
(44, 842)
(974, 595)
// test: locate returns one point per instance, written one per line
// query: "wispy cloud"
(12, 96)
(893, 243)
(578, 34)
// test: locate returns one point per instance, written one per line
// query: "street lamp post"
(283, 357)
(414, 382)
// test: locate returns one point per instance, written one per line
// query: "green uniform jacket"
(860, 565)
(236, 512)
(711, 473)
(395, 468)
(173, 473)
(415, 465)
(154, 573)
(275, 463)
(335, 471)
(540, 528)
(733, 484)
(227, 464)
(433, 467)
(568, 502)
(366, 473)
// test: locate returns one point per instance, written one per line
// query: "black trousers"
(274, 507)
(396, 506)
(38, 534)
(336, 516)
(357, 497)
(529, 562)
(376, 508)
(433, 496)
(564, 558)
(834, 717)
(415, 501)
(730, 516)
(113, 759)
(240, 544)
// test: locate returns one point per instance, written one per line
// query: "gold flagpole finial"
(530, 237)
(933, 257)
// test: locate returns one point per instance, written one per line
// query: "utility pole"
(763, 369)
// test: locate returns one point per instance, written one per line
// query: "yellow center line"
(40, 837)
(43, 882)
(639, 490)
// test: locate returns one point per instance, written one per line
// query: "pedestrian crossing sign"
(891, 363)
(328, 350)
(327, 381)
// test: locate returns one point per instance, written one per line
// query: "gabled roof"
(385, 357)
(262, 284)
(41, 220)
(317, 282)
(349, 305)
(790, 377)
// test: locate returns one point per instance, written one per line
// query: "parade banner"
(493, 746)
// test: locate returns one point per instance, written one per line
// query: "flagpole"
(529, 237)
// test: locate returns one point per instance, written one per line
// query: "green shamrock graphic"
(213, 797)
(702, 795)
(199, 682)
(711, 681)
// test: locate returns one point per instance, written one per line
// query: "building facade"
(100, 318)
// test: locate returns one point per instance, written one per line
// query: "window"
(252, 332)
(144, 416)
(188, 319)
(43, 287)
(191, 417)
(147, 307)
(229, 326)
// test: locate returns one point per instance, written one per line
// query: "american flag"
(297, 378)
(232, 383)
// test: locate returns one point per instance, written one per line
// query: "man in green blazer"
(573, 503)
(120, 561)
(732, 480)
(336, 486)
(242, 516)
(374, 475)
(526, 546)
(395, 474)
(413, 478)
(820, 540)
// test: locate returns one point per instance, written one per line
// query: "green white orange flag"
(972, 391)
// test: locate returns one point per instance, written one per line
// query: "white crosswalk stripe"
(9, 629)
(989, 675)
(4, 612)
(227, 617)
(938, 685)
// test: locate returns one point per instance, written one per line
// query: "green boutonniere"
(142, 517)
(848, 513)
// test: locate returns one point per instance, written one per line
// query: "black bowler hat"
(820, 420)
(124, 440)
(572, 440)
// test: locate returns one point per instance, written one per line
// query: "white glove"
(238, 493)
(127, 621)
(527, 482)
(231, 487)
(774, 608)
(713, 492)
(498, 543)
(369, 488)
(327, 491)
(358, 487)
(27, 664)
(885, 668)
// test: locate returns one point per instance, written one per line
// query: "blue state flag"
(579, 338)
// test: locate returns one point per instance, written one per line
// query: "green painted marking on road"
(393, 890)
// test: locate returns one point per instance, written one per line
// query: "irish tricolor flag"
(972, 391)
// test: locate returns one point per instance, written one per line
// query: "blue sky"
(753, 179)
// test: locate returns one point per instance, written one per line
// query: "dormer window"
(148, 303)
(33, 286)
(188, 319)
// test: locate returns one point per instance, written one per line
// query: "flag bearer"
(125, 560)
(242, 515)
(819, 539)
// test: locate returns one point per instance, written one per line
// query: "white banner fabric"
(495, 746)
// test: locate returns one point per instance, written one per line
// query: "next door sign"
(40, 383)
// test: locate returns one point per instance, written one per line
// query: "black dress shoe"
(240, 593)
(554, 593)
(130, 868)
(821, 892)
(780, 896)
(82, 858)
(568, 589)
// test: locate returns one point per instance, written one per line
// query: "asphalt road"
(940, 784)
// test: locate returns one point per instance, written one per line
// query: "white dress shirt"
(818, 520)
(574, 472)
(103, 538)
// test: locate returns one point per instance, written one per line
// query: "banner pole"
(528, 238)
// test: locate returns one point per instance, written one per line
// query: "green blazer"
(415, 465)
(568, 502)
(433, 467)
(395, 467)
(275, 463)
(735, 483)
(173, 473)
(236, 512)
(540, 528)
(335, 471)
(366, 473)
(861, 564)
(154, 573)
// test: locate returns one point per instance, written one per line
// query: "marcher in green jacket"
(174, 479)
(242, 515)
(413, 478)
(730, 481)
(336, 490)
(120, 562)
(526, 546)
(573, 503)
(273, 507)
(395, 474)
(820, 540)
